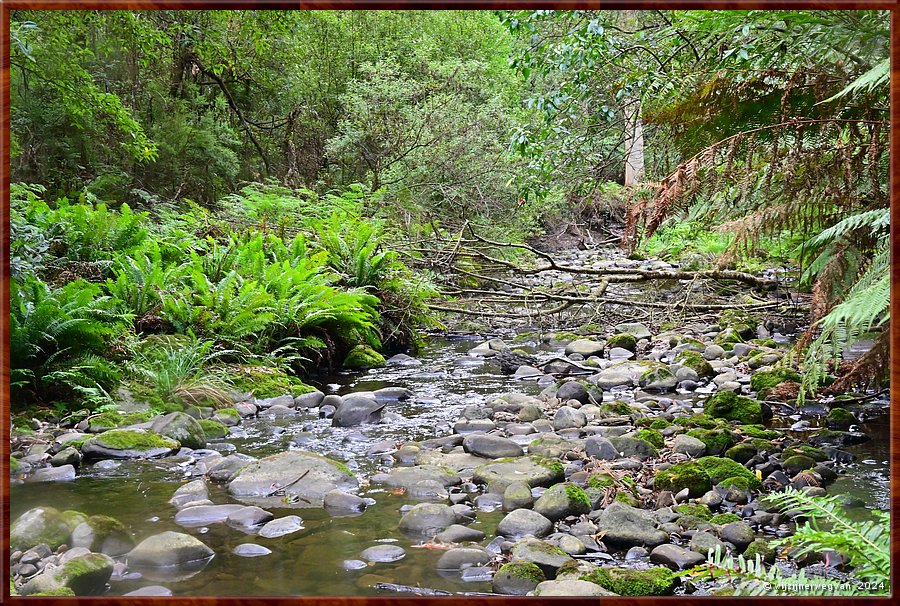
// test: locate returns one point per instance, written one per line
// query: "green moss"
(659, 424)
(14, 465)
(770, 343)
(601, 480)
(716, 441)
(12, 588)
(83, 565)
(758, 431)
(623, 496)
(652, 436)
(696, 362)
(73, 518)
(266, 382)
(617, 407)
(797, 463)
(732, 407)
(732, 317)
(720, 469)
(552, 464)
(838, 418)
(129, 439)
(735, 482)
(61, 592)
(213, 429)
(699, 420)
(689, 474)
(229, 412)
(762, 382)
(623, 340)
(577, 495)
(564, 337)
(724, 518)
(138, 416)
(363, 356)
(105, 526)
(762, 549)
(632, 582)
(741, 452)
(762, 445)
(805, 450)
(691, 522)
(694, 509)
(523, 570)
(106, 419)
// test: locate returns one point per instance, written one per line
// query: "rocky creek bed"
(609, 466)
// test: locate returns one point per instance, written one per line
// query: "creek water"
(318, 559)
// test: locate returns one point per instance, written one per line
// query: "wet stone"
(250, 550)
(383, 553)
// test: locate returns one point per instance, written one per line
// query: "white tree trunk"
(634, 145)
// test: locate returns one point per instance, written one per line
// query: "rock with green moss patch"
(634, 582)
(720, 469)
(839, 418)
(601, 480)
(623, 340)
(696, 362)
(634, 447)
(761, 548)
(758, 431)
(180, 427)
(764, 380)
(625, 526)
(733, 317)
(128, 444)
(547, 557)
(534, 470)
(362, 357)
(797, 463)
(302, 479)
(36, 526)
(562, 500)
(732, 407)
(741, 453)
(658, 424)
(213, 429)
(689, 474)
(626, 497)
(517, 578)
(652, 436)
(816, 454)
(266, 382)
(694, 509)
(14, 465)
(716, 441)
(103, 534)
(83, 575)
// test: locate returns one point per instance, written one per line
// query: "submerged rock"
(168, 549)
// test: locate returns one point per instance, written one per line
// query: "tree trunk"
(634, 144)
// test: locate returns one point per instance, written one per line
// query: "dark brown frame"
(894, 179)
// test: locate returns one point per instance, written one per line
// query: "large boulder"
(523, 523)
(406, 477)
(534, 470)
(732, 407)
(84, 575)
(167, 550)
(180, 427)
(626, 526)
(428, 519)
(128, 444)
(546, 556)
(570, 588)
(39, 525)
(294, 479)
(103, 534)
(562, 500)
(356, 410)
(517, 578)
(585, 347)
(491, 446)
(362, 357)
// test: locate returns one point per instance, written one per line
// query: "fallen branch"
(495, 314)
(426, 591)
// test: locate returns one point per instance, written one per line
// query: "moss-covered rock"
(719, 469)
(699, 420)
(742, 452)
(363, 356)
(213, 429)
(761, 382)
(601, 480)
(694, 509)
(758, 431)
(652, 436)
(36, 526)
(839, 418)
(817, 454)
(761, 548)
(690, 475)
(658, 424)
(615, 408)
(632, 582)
(797, 463)
(737, 317)
(266, 382)
(721, 519)
(732, 407)
(623, 340)
(127, 444)
(625, 496)
(696, 362)
(716, 441)
(14, 465)
(517, 578)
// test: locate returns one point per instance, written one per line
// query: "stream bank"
(429, 482)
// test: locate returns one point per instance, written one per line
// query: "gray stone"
(524, 522)
(296, 478)
(249, 518)
(675, 557)
(356, 410)
(601, 448)
(285, 400)
(658, 379)
(546, 556)
(192, 491)
(516, 496)
(281, 526)
(585, 347)
(567, 417)
(102, 534)
(402, 360)
(383, 553)
(535, 471)
(638, 331)
(688, 445)
(405, 477)
(561, 501)
(250, 550)
(620, 353)
(687, 374)
(570, 587)
(470, 426)
(309, 400)
(714, 352)
(704, 542)
(53, 474)
(338, 503)
(572, 545)
(572, 390)
(392, 394)
(168, 549)
(491, 446)
(461, 558)
(67, 456)
(634, 447)
(517, 578)
(225, 468)
(39, 525)
(181, 427)
(85, 574)
(626, 526)
(738, 534)
(428, 519)
(457, 533)
(203, 515)
(150, 591)
(280, 412)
